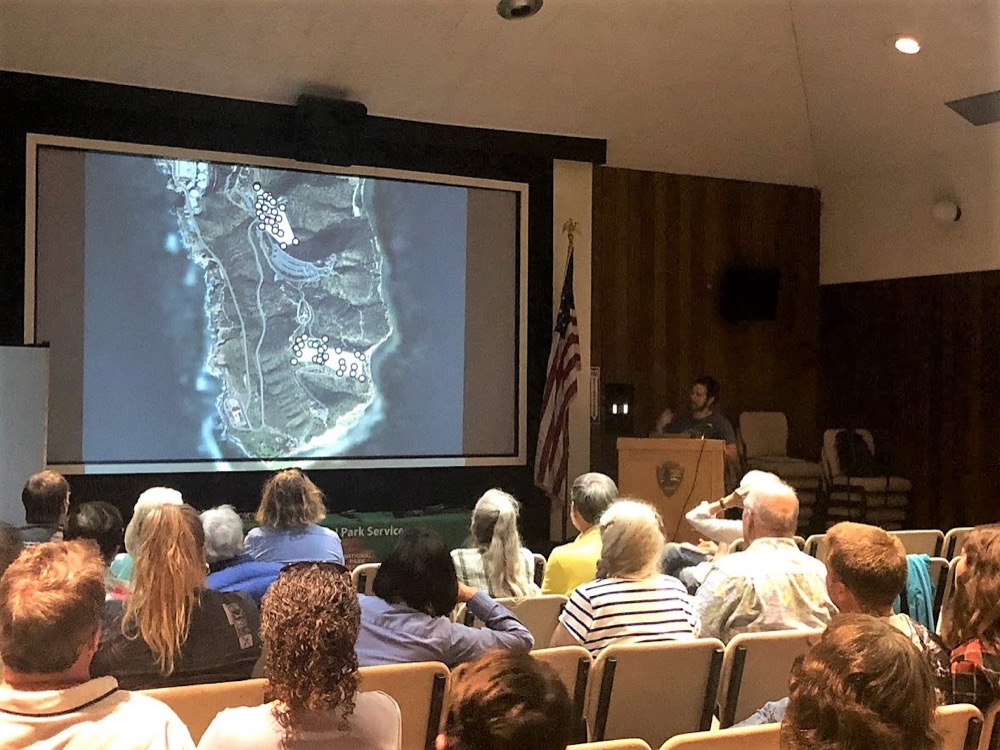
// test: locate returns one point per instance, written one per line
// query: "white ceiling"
(791, 91)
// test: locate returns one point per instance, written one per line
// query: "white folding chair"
(653, 690)
(756, 669)
(921, 541)
(959, 726)
(363, 577)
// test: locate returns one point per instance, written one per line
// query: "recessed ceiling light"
(908, 45)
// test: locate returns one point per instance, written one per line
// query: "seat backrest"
(420, 691)
(630, 744)
(954, 541)
(959, 726)
(756, 669)
(539, 614)
(817, 546)
(990, 739)
(831, 461)
(363, 577)
(949, 591)
(540, 563)
(921, 541)
(572, 664)
(197, 705)
(764, 433)
(653, 690)
(764, 737)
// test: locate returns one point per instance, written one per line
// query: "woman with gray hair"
(230, 569)
(496, 561)
(630, 600)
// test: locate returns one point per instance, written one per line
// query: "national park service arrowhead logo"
(669, 475)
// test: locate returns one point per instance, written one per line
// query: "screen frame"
(34, 141)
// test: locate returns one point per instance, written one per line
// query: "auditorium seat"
(198, 705)
(572, 664)
(539, 614)
(756, 669)
(921, 541)
(764, 737)
(540, 563)
(420, 690)
(653, 690)
(959, 726)
(631, 744)
(954, 541)
(363, 577)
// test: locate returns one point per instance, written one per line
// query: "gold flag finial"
(569, 228)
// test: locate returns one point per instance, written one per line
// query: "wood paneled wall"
(661, 243)
(918, 360)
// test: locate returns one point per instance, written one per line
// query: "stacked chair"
(878, 500)
(764, 445)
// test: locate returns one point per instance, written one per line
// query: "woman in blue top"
(290, 508)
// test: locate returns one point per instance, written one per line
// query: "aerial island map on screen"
(293, 299)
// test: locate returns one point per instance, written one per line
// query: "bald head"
(771, 509)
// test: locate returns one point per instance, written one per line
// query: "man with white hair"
(772, 585)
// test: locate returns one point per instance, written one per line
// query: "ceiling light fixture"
(514, 10)
(908, 45)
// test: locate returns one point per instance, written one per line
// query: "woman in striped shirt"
(630, 600)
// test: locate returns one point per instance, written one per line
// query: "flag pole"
(569, 228)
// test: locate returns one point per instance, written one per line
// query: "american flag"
(560, 388)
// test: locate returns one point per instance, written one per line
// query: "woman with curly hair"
(971, 622)
(863, 685)
(290, 510)
(173, 630)
(496, 561)
(309, 624)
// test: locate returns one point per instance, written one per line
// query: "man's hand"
(466, 592)
(666, 418)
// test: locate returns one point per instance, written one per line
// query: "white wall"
(572, 192)
(880, 226)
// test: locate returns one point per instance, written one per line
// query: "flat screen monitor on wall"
(214, 311)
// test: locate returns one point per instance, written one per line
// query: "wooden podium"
(674, 475)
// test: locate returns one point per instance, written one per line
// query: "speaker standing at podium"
(703, 421)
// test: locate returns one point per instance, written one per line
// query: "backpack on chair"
(856, 458)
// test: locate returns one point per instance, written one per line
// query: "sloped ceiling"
(791, 91)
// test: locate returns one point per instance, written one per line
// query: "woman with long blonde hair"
(496, 561)
(173, 630)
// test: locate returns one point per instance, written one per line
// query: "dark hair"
(507, 700)
(591, 495)
(864, 685)
(974, 609)
(419, 572)
(10, 545)
(100, 521)
(43, 497)
(712, 389)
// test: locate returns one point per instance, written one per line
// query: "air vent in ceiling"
(981, 109)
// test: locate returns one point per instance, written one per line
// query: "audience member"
(309, 626)
(497, 562)
(174, 631)
(10, 545)
(50, 611)
(416, 588)
(630, 599)
(230, 569)
(971, 624)
(101, 523)
(866, 570)
(863, 686)
(772, 585)
(291, 507)
(691, 564)
(146, 502)
(46, 501)
(507, 700)
(571, 564)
